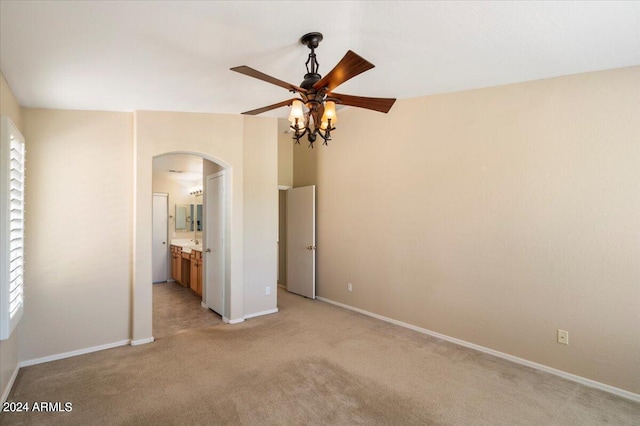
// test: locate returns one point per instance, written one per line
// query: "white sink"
(187, 248)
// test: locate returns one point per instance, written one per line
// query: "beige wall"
(305, 163)
(9, 348)
(282, 237)
(285, 154)
(260, 214)
(285, 179)
(495, 216)
(78, 234)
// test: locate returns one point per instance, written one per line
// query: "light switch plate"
(563, 337)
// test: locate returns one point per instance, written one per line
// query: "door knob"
(311, 247)
(208, 250)
(164, 242)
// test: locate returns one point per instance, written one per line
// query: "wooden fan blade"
(264, 77)
(351, 65)
(376, 104)
(270, 107)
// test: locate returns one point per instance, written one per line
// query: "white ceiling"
(170, 55)
(183, 168)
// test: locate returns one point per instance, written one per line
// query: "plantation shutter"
(12, 159)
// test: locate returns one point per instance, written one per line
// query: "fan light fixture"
(314, 113)
(304, 123)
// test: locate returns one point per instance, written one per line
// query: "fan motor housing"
(309, 80)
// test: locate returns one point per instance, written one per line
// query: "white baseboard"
(12, 380)
(235, 321)
(139, 342)
(579, 379)
(259, 314)
(203, 305)
(73, 353)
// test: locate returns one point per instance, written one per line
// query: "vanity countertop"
(187, 245)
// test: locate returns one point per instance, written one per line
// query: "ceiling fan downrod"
(311, 40)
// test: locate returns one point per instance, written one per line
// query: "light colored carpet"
(177, 309)
(312, 363)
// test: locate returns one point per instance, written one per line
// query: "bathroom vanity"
(186, 264)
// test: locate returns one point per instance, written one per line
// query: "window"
(12, 157)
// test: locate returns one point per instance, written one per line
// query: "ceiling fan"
(316, 93)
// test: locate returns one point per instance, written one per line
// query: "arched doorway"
(142, 318)
(188, 243)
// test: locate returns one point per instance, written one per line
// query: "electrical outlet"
(563, 337)
(349, 287)
(267, 291)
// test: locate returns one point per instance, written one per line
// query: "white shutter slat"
(16, 183)
(17, 146)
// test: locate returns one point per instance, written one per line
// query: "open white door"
(301, 241)
(160, 251)
(214, 243)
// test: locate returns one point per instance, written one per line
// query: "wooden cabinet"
(196, 272)
(176, 263)
(186, 268)
(200, 273)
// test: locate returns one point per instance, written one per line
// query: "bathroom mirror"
(197, 216)
(183, 216)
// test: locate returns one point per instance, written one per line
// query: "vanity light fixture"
(196, 190)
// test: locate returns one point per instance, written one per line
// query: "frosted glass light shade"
(297, 112)
(329, 113)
